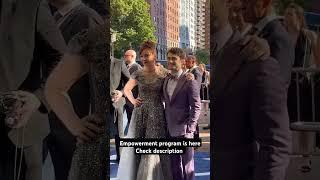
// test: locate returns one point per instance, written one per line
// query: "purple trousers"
(183, 165)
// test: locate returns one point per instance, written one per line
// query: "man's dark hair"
(177, 51)
(192, 57)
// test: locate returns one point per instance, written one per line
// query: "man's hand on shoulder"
(255, 48)
(190, 76)
(189, 135)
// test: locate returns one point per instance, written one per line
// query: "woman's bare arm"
(68, 71)
(128, 91)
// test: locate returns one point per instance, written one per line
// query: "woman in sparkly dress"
(148, 120)
(87, 54)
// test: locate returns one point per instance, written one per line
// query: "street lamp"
(113, 40)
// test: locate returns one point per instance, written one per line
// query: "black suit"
(61, 142)
(281, 47)
(249, 110)
(198, 77)
(123, 80)
(40, 44)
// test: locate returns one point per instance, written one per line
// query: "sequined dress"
(90, 160)
(148, 121)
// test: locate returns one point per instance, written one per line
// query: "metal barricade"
(304, 159)
(204, 91)
(205, 100)
(304, 130)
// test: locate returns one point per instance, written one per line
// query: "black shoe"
(206, 128)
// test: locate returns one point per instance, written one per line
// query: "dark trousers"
(305, 100)
(61, 145)
(317, 104)
(129, 109)
(183, 165)
(197, 132)
(115, 132)
(7, 155)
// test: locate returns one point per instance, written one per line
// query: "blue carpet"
(202, 165)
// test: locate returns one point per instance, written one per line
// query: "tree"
(132, 22)
(203, 56)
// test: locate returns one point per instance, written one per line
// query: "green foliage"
(132, 22)
(203, 56)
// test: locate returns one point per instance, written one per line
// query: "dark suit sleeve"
(270, 121)
(86, 19)
(125, 71)
(197, 76)
(125, 76)
(134, 68)
(282, 49)
(48, 28)
(195, 105)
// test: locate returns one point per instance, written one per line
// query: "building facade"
(207, 25)
(181, 23)
(165, 16)
(172, 18)
(157, 12)
(200, 24)
(188, 17)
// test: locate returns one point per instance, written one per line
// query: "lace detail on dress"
(90, 160)
(148, 121)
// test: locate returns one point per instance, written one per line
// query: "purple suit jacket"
(183, 110)
(249, 108)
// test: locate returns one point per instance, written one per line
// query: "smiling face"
(190, 62)
(236, 14)
(183, 64)
(254, 10)
(174, 62)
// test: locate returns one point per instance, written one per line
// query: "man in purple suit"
(250, 127)
(182, 101)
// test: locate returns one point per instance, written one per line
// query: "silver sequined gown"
(90, 160)
(148, 121)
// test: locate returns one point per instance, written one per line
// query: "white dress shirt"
(246, 30)
(130, 65)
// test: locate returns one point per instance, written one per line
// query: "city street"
(202, 154)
